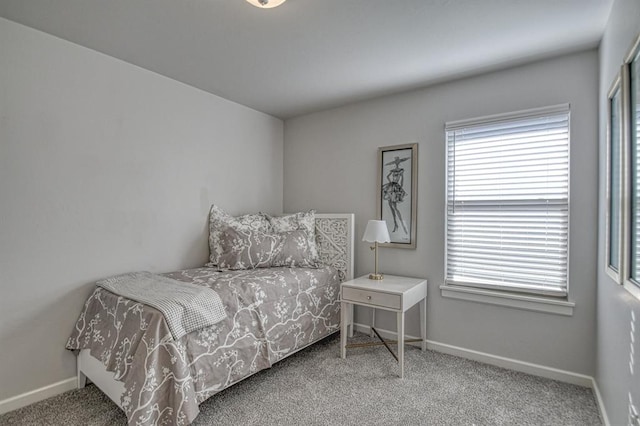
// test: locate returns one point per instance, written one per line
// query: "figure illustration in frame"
(393, 191)
(397, 193)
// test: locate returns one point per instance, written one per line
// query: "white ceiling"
(308, 55)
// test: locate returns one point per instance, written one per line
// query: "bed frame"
(334, 238)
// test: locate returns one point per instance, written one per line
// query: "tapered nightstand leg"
(344, 320)
(423, 323)
(401, 343)
(351, 320)
(373, 321)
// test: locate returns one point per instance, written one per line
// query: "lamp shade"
(376, 232)
(266, 4)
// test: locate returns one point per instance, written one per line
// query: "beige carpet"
(316, 387)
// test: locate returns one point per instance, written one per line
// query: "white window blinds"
(507, 201)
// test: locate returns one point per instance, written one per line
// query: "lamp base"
(377, 277)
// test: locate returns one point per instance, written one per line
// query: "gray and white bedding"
(271, 313)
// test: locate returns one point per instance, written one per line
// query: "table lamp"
(376, 232)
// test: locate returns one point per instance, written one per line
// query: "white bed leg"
(82, 378)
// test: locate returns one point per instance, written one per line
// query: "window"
(508, 201)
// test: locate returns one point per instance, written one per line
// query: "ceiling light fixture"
(266, 4)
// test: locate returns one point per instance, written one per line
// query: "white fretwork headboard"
(334, 239)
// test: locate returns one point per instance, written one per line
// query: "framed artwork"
(398, 193)
(614, 214)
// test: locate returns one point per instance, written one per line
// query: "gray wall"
(330, 164)
(614, 302)
(106, 168)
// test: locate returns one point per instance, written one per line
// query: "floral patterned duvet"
(270, 314)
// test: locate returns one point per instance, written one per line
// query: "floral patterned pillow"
(219, 220)
(247, 249)
(302, 221)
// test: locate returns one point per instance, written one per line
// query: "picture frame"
(397, 193)
(615, 178)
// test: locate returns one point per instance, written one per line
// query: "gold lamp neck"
(376, 275)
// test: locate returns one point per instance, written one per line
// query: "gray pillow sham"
(219, 220)
(302, 221)
(249, 249)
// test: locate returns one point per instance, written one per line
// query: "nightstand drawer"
(391, 301)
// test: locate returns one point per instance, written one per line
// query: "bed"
(127, 350)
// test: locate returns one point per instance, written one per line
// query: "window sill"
(633, 289)
(512, 300)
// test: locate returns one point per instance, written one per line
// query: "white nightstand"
(393, 293)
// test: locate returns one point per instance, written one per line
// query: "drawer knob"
(368, 297)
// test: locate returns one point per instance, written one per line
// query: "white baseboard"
(499, 361)
(36, 395)
(600, 401)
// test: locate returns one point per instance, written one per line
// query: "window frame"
(504, 295)
(628, 283)
(616, 87)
